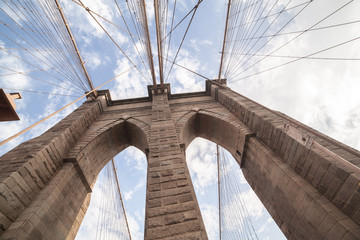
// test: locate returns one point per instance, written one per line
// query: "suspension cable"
(297, 36)
(75, 46)
(224, 41)
(54, 113)
(196, 73)
(122, 203)
(297, 59)
(183, 38)
(117, 45)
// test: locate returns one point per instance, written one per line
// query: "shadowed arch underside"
(308, 182)
(95, 149)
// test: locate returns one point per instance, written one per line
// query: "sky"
(322, 93)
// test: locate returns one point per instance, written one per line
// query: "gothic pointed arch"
(221, 128)
(96, 148)
(60, 183)
(307, 181)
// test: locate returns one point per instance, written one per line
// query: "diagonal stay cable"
(102, 17)
(29, 18)
(263, 45)
(248, 14)
(196, 73)
(54, 113)
(28, 49)
(176, 25)
(312, 58)
(123, 52)
(131, 35)
(244, 45)
(70, 35)
(27, 72)
(297, 59)
(36, 33)
(182, 40)
(270, 15)
(46, 16)
(297, 36)
(249, 30)
(37, 79)
(122, 203)
(42, 70)
(24, 40)
(302, 31)
(127, 27)
(259, 27)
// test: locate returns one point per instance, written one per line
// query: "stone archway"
(307, 181)
(299, 210)
(58, 209)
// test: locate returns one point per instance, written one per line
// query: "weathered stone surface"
(171, 188)
(309, 182)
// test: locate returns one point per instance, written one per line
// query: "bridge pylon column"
(172, 211)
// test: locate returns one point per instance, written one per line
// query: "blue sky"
(320, 93)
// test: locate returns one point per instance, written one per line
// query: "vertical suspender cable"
(224, 42)
(75, 46)
(218, 168)
(159, 43)
(122, 203)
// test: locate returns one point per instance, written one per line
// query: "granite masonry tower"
(308, 182)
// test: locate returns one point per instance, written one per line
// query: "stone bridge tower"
(308, 182)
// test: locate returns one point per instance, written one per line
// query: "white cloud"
(196, 44)
(129, 85)
(185, 5)
(187, 81)
(138, 186)
(128, 195)
(54, 103)
(265, 225)
(202, 164)
(7, 129)
(210, 215)
(9, 63)
(135, 159)
(150, 12)
(320, 93)
(93, 59)
(233, 213)
(323, 94)
(81, 20)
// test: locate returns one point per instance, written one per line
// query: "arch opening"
(119, 140)
(106, 144)
(205, 127)
(201, 160)
(96, 149)
(131, 166)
